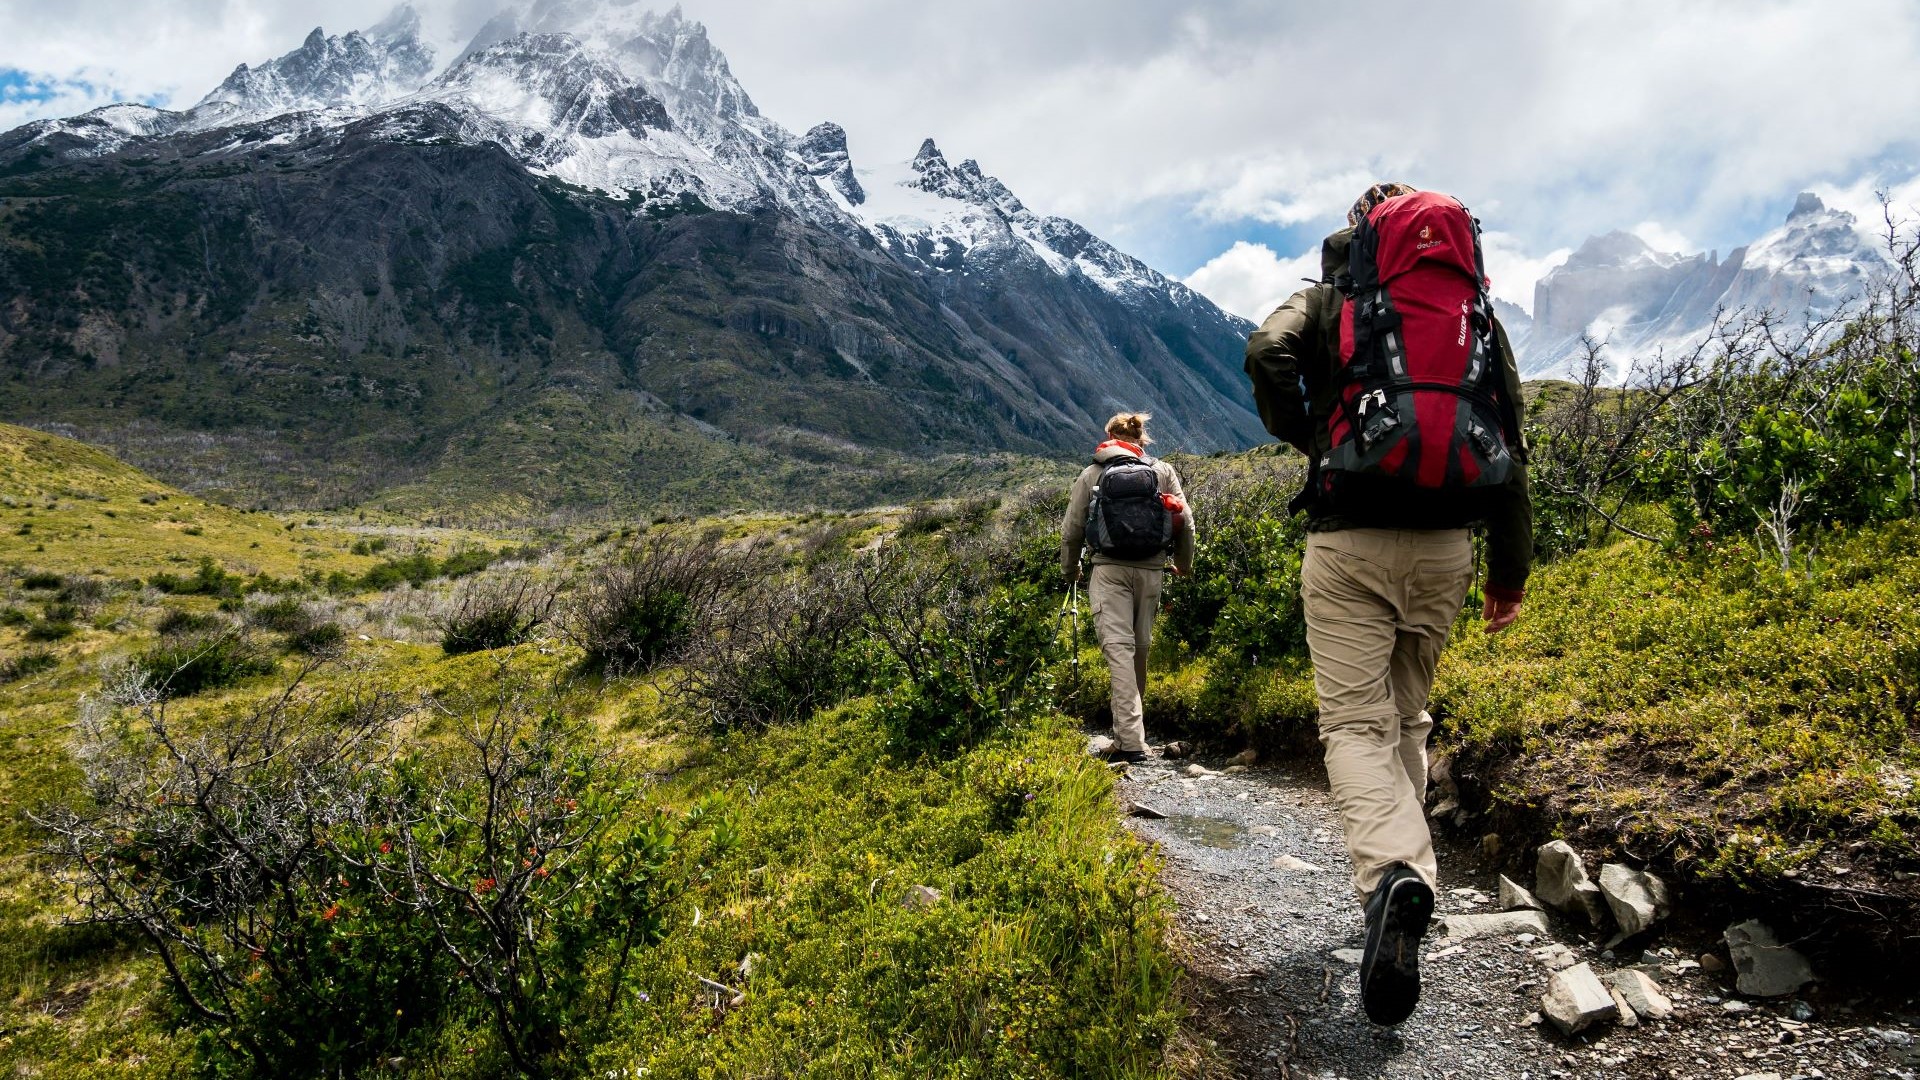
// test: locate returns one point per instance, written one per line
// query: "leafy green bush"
(190, 663)
(42, 580)
(967, 654)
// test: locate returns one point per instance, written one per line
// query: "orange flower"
(484, 885)
(332, 910)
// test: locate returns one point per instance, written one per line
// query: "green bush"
(51, 628)
(286, 615)
(495, 614)
(29, 663)
(318, 639)
(208, 580)
(178, 621)
(655, 599)
(191, 663)
(324, 906)
(42, 580)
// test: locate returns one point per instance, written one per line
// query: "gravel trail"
(1265, 938)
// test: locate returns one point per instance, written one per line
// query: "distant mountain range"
(573, 267)
(1619, 290)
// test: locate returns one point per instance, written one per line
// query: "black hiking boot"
(1117, 756)
(1397, 917)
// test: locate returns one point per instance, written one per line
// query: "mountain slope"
(585, 222)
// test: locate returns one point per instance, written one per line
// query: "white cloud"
(1553, 121)
(1661, 238)
(1514, 272)
(1250, 280)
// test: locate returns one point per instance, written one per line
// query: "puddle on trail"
(1206, 831)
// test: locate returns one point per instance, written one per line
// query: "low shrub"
(495, 613)
(794, 646)
(42, 580)
(660, 595)
(178, 621)
(28, 663)
(324, 902)
(286, 615)
(318, 639)
(208, 580)
(191, 663)
(51, 629)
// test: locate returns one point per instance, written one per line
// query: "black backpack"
(1127, 519)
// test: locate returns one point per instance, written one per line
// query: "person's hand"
(1499, 613)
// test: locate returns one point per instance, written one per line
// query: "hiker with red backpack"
(1394, 379)
(1128, 510)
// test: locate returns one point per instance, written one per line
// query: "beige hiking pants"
(1379, 604)
(1125, 599)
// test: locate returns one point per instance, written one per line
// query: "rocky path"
(1271, 932)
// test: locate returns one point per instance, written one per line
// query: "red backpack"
(1421, 395)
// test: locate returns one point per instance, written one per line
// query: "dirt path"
(1262, 942)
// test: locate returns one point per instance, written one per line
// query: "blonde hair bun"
(1130, 427)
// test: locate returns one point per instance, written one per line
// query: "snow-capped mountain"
(589, 181)
(1618, 289)
(361, 68)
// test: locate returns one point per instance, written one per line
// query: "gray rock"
(1763, 966)
(1297, 865)
(920, 896)
(1636, 898)
(1561, 880)
(1142, 810)
(1575, 1000)
(1761, 1076)
(1175, 749)
(1248, 756)
(1642, 994)
(1506, 923)
(1626, 1017)
(1711, 963)
(1556, 957)
(1514, 897)
(1349, 956)
(1100, 745)
(1800, 1011)
(1196, 771)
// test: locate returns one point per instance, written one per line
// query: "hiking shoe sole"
(1390, 967)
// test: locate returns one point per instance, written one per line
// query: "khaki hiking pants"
(1125, 599)
(1379, 604)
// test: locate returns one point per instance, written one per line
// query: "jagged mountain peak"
(553, 82)
(823, 153)
(358, 68)
(1806, 205)
(965, 182)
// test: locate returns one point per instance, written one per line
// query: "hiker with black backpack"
(1128, 510)
(1393, 377)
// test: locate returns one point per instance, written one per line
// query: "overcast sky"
(1219, 139)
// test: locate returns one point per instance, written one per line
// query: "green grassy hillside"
(874, 903)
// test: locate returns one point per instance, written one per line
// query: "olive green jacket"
(1293, 358)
